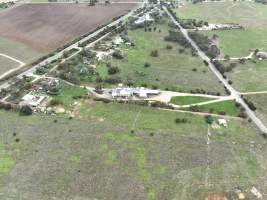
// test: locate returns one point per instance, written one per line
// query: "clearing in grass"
(187, 100)
(222, 107)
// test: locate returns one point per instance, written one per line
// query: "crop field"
(170, 69)
(249, 77)
(120, 151)
(7, 64)
(17, 50)
(44, 27)
(252, 16)
(260, 101)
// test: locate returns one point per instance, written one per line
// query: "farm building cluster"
(39, 93)
(128, 92)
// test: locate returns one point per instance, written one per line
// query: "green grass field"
(186, 100)
(98, 156)
(252, 16)
(249, 77)
(223, 107)
(68, 92)
(170, 70)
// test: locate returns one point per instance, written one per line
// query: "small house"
(261, 55)
(117, 41)
(222, 122)
(33, 100)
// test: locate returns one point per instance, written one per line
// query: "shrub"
(26, 110)
(147, 64)
(169, 47)
(55, 102)
(154, 53)
(117, 54)
(181, 120)
(113, 70)
(208, 119)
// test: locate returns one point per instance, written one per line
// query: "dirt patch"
(216, 196)
(45, 27)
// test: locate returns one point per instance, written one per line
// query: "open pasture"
(260, 101)
(252, 16)
(173, 69)
(44, 27)
(250, 76)
(120, 151)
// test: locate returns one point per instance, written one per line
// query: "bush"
(26, 110)
(117, 54)
(113, 70)
(208, 119)
(55, 102)
(169, 47)
(147, 64)
(181, 120)
(154, 53)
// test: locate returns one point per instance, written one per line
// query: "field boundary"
(21, 64)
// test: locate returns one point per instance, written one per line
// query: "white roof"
(222, 122)
(117, 41)
(144, 18)
(33, 100)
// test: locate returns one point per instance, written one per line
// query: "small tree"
(154, 53)
(208, 119)
(26, 110)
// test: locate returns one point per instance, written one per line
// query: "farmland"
(61, 23)
(68, 133)
(236, 42)
(18, 50)
(260, 101)
(7, 64)
(171, 70)
(141, 162)
(250, 76)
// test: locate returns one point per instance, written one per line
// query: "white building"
(262, 55)
(222, 122)
(122, 92)
(128, 92)
(117, 41)
(142, 20)
(144, 92)
(33, 100)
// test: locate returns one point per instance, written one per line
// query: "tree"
(208, 119)
(154, 53)
(26, 110)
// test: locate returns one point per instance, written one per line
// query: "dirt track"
(45, 27)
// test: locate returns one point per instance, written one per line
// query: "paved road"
(233, 92)
(75, 45)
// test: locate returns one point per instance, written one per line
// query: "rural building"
(33, 100)
(256, 193)
(222, 122)
(122, 92)
(117, 41)
(128, 92)
(262, 55)
(144, 92)
(146, 18)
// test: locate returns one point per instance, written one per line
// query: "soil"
(44, 27)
